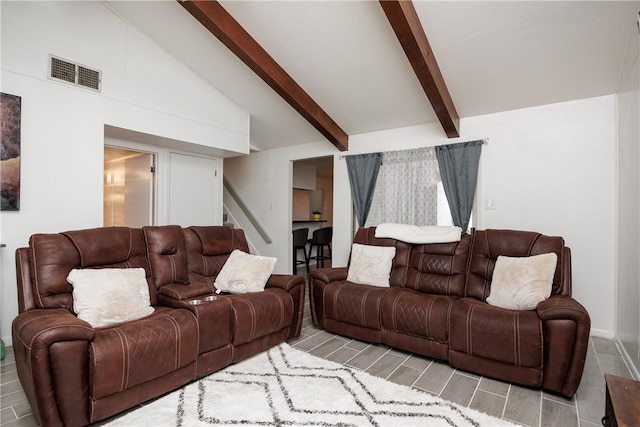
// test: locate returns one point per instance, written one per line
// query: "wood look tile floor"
(511, 402)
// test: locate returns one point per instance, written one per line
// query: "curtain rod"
(484, 141)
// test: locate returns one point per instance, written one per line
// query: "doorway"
(129, 187)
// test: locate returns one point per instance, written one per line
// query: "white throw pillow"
(108, 296)
(522, 283)
(371, 265)
(243, 273)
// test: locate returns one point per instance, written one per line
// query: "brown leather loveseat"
(436, 306)
(75, 374)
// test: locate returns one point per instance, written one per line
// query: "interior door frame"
(155, 155)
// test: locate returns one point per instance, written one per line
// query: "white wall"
(550, 169)
(628, 250)
(63, 128)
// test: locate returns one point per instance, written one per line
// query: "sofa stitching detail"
(282, 314)
(172, 264)
(469, 335)
(516, 338)
(177, 331)
(125, 359)
(253, 320)
(394, 324)
(363, 306)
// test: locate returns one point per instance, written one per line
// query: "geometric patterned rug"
(288, 387)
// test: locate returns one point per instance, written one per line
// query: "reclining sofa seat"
(72, 373)
(258, 320)
(412, 314)
(545, 347)
(436, 306)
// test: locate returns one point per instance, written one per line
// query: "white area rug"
(288, 387)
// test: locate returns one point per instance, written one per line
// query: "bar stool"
(321, 238)
(300, 242)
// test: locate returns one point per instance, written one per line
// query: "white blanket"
(419, 234)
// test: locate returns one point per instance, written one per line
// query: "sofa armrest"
(181, 292)
(294, 286)
(562, 307)
(51, 348)
(40, 328)
(566, 325)
(318, 280)
(284, 281)
(328, 275)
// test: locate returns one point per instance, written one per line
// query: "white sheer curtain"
(407, 188)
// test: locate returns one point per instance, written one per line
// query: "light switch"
(489, 204)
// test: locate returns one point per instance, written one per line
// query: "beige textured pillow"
(522, 283)
(371, 265)
(243, 273)
(108, 296)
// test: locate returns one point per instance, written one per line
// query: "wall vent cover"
(76, 74)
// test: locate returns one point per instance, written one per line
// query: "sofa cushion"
(354, 304)
(439, 268)
(370, 265)
(243, 273)
(520, 283)
(53, 256)
(415, 313)
(136, 352)
(208, 249)
(167, 254)
(512, 337)
(109, 296)
(256, 315)
(489, 244)
(366, 236)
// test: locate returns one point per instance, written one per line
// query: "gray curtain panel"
(459, 172)
(363, 173)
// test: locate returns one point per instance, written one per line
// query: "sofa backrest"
(367, 236)
(167, 254)
(53, 256)
(439, 268)
(208, 248)
(489, 244)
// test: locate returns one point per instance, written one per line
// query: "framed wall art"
(10, 110)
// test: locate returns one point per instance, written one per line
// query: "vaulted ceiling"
(493, 56)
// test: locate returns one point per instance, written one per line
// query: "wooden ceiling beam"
(405, 23)
(221, 24)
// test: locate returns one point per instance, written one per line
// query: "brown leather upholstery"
(526, 347)
(74, 374)
(436, 306)
(276, 312)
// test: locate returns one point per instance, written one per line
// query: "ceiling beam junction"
(405, 23)
(221, 24)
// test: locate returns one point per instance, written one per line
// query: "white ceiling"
(494, 56)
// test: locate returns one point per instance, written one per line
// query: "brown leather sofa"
(74, 374)
(436, 306)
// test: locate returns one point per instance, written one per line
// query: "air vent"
(76, 74)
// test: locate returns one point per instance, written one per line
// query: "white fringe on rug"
(288, 387)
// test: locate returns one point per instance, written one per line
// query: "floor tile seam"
(400, 364)
(371, 364)
(540, 411)
(326, 357)
(322, 343)
(573, 403)
(473, 395)
(506, 401)
(308, 338)
(493, 393)
(446, 382)
(422, 372)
